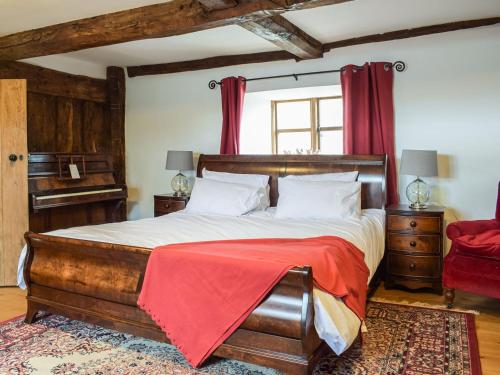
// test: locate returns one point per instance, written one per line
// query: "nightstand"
(168, 203)
(414, 242)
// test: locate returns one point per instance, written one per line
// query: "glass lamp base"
(179, 185)
(418, 206)
(417, 193)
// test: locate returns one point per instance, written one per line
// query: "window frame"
(315, 129)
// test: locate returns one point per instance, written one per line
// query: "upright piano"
(59, 199)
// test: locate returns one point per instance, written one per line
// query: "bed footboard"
(100, 283)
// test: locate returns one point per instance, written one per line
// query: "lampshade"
(180, 160)
(421, 163)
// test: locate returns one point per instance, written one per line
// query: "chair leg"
(449, 296)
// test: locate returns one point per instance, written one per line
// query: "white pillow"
(222, 198)
(337, 176)
(257, 180)
(318, 199)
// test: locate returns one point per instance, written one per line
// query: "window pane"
(331, 142)
(290, 142)
(330, 112)
(293, 115)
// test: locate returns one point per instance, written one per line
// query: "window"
(307, 125)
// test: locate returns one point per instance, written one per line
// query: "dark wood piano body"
(57, 201)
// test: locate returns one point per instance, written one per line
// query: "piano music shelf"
(70, 159)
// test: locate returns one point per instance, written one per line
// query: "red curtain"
(233, 92)
(369, 115)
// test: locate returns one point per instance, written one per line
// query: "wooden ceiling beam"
(415, 32)
(175, 17)
(222, 61)
(208, 63)
(218, 4)
(284, 34)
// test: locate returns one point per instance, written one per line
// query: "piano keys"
(59, 201)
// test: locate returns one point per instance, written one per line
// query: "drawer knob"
(167, 205)
(413, 243)
(413, 223)
(413, 266)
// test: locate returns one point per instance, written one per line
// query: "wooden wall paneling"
(69, 125)
(74, 114)
(116, 97)
(42, 120)
(64, 125)
(55, 83)
(13, 176)
(77, 126)
(95, 130)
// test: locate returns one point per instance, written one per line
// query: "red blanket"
(199, 293)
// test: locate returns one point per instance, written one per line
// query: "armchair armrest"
(460, 228)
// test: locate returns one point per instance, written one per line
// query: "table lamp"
(420, 163)
(180, 161)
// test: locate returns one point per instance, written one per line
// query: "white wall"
(447, 100)
(69, 64)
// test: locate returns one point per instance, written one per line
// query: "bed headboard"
(371, 168)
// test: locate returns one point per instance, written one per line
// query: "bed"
(95, 274)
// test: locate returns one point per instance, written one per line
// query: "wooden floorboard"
(12, 303)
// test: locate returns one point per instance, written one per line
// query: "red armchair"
(473, 263)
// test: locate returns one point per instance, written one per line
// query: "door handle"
(12, 157)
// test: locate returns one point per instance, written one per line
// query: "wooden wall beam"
(52, 82)
(116, 96)
(284, 34)
(221, 61)
(154, 21)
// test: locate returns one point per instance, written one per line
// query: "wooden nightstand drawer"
(169, 206)
(166, 204)
(429, 244)
(414, 223)
(409, 265)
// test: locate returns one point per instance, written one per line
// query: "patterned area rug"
(400, 340)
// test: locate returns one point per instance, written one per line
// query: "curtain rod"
(400, 66)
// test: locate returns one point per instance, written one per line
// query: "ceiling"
(327, 24)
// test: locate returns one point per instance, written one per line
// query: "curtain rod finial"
(400, 66)
(213, 84)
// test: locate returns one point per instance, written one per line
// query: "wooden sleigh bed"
(100, 282)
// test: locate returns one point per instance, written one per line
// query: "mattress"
(334, 322)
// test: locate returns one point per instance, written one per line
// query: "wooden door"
(13, 176)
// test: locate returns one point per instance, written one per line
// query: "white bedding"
(334, 322)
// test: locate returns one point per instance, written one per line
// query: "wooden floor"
(12, 304)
